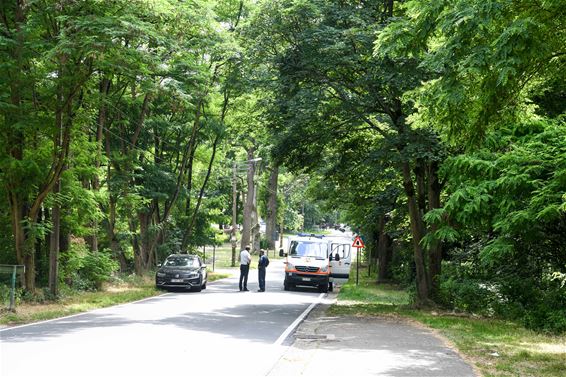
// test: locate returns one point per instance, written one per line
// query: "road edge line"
(297, 321)
(93, 310)
(79, 314)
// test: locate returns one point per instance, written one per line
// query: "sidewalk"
(358, 346)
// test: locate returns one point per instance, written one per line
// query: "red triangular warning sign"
(358, 242)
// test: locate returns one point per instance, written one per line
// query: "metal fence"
(11, 271)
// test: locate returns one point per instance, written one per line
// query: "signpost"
(358, 244)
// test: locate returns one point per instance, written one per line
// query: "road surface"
(223, 332)
(219, 331)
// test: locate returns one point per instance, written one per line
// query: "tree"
(500, 75)
(330, 84)
(49, 61)
(490, 57)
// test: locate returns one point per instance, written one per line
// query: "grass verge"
(72, 302)
(497, 348)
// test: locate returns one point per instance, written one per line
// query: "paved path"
(353, 346)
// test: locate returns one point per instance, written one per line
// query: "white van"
(317, 261)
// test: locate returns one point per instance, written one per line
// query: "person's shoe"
(261, 290)
(246, 290)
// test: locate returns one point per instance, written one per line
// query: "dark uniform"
(261, 266)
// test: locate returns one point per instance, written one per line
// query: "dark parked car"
(182, 271)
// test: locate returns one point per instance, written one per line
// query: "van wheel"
(285, 286)
(331, 287)
(323, 288)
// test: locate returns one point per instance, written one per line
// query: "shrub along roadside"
(118, 291)
(497, 348)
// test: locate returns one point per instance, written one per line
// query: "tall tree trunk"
(249, 206)
(15, 146)
(415, 213)
(435, 251)
(189, 189)
(104, 88)
(54, 244)
(271, 215)
(420, 173)
(233, 239)
(189, 231)
(111, 235)
(186, 165)
(145, 242)
(422, 280)
(383, 264)
(138, 268)
(56, 212)
(256, 235)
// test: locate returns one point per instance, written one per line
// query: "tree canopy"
(130, 130)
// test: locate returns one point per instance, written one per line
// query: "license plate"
(176, 280)
(306, 279)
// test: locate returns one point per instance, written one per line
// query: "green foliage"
(513, 211)
(82, 269)
(97, 268)
(159, 98)
(488, 57)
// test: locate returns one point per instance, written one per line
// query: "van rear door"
(340, 270)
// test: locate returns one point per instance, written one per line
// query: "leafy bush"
(97, 268)
(547, 308)
(506, 205)
(535, 298)
(84, 270)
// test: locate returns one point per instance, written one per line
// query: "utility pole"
(234, 214)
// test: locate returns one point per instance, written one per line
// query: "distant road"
(219, 331)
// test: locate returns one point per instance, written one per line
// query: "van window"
(343, 250)
(308, 249)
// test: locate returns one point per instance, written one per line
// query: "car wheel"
(323, 288)
(197, 289)
(285, 286)
(330, 287)
(204, 285)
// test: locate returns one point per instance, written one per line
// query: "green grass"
(77, 302)
(213, 276)
(497, 348)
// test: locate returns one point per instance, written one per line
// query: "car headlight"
(290, 266)
(161, 274)
(193, 275)
(324, 268)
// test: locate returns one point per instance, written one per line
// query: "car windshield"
(308, 249)
(181, 262)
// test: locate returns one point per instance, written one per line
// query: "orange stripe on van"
(308, 273)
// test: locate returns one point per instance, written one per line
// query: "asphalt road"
(219, 331)
(223, 332)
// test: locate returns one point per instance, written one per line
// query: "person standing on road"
(261, 266)
(245, 260)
